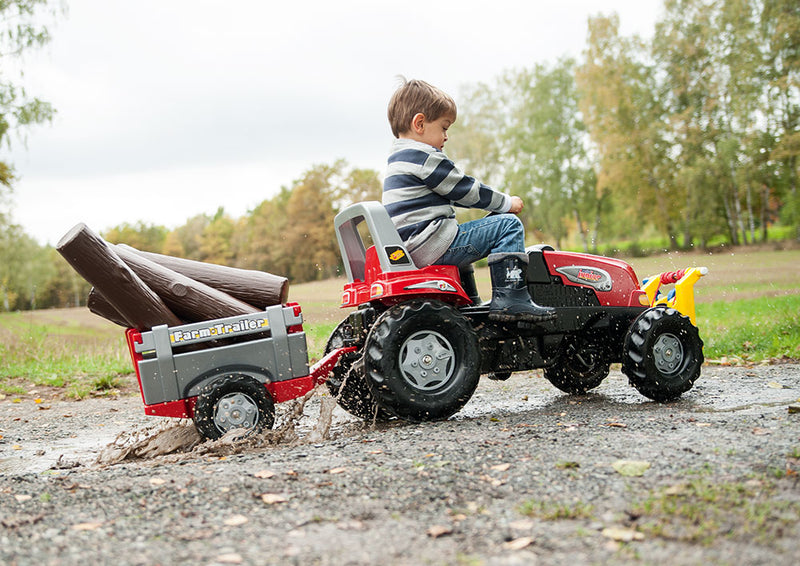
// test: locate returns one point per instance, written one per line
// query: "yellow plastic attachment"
(683, 298)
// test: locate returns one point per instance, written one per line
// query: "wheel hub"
(235, 410)
(427, 360)
(668, 354)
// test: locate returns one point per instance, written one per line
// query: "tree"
(620, 104)
(780, 29)
(20, 30)
(548, 150)
(142, 236)
(310, 240)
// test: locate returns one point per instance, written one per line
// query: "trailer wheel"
(584, 366)
(663, 354)
(348, 384)
(422, 360)
(230, 402)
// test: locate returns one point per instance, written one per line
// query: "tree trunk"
(95, 260)
(189, 299)
(253, 287)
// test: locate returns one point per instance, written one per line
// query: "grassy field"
(747, 309)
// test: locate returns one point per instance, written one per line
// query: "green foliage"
(21, 29)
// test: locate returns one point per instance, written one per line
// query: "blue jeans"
(498, 233)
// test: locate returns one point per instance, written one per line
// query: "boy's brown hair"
(414, 97)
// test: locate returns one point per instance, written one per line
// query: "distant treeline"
(689, 139)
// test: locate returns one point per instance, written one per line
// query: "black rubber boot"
(511, 301)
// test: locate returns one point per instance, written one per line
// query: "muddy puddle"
(48, 441)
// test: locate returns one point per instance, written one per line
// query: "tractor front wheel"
(663, 354)
(422, 361)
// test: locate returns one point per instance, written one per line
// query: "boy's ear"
(418, 122)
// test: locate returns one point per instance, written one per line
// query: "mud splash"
(298, 424)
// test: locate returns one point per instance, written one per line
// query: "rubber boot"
(511, 301)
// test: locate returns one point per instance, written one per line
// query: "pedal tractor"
(422, 338)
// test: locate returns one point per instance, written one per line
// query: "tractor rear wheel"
(663, 354)
(422, 361)
(347, 383)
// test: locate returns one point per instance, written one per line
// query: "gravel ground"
(523, 475)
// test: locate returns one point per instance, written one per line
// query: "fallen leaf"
(264, 474)
(518, 543)
(494, 481)
(621, 534)
(775, 385)
(86, 526)
(631, 468)
(617, 425)
(437, 531)
(235, 520)
(501, 467)
(272, 498)
(679, 489)
(337, 470)
(16, 447)
(38, 400)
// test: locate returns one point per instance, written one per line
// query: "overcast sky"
(172, 108)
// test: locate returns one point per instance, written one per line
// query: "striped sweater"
(421, 187)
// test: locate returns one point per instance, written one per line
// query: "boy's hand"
(516, 205)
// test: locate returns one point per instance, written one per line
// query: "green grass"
(747, 309)
(549, 510)
(751, 329)
(702, 510)
(63, 349)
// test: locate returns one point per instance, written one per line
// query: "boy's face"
(431, 132)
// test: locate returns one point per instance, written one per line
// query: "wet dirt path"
(524, 474)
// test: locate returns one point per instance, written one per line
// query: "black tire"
(233, 401)
(663, 354)
(583, 366)
(422, 361)
(347, 383)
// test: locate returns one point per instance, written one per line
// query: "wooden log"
(100, 306)
(189, 299)
(95, 260)
(257, 288)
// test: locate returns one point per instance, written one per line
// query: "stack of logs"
(141, 290)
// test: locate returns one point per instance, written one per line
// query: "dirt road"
(523, 475)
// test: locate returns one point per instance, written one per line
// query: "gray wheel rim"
(235, 410)
(427, 360)
(668, 354)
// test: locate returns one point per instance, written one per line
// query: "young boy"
(421, 188)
